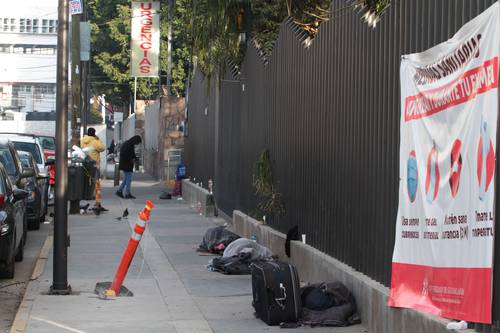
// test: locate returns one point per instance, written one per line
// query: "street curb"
(24, 310)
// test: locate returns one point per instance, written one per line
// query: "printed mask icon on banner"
(432, 177)
(485, 160)
(412, 176)
(456, 167)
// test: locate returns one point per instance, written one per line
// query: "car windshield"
(8, 161)
(30, 148)
(47, 142)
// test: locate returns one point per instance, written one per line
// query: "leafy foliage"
(205, 34)
(270, 199)
(268, 16)
(110, 42)
(95, 118)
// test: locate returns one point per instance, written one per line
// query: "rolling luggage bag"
(276, 292)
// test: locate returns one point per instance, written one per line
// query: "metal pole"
(85, 95)
(135, 93)
(61, 241)
(76, 87)
(85, 89)
(76, 83)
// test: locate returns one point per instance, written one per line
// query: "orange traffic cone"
(129, 253)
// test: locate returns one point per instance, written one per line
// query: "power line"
(35, 67)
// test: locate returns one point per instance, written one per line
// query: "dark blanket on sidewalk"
(217, 239)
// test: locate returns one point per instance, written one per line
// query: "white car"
(31, 144)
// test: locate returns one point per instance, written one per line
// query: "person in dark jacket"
(127, 159)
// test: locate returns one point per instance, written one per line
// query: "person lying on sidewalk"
(127, 158)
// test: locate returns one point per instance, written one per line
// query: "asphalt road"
(12, 290)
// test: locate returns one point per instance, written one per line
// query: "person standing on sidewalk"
(127, 159)
(92, 141)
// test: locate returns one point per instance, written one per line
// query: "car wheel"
(33, 224)
(20, 253)
(8, 271)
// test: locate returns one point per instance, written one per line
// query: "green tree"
(95, 118)
(110, 41)
(205, 35)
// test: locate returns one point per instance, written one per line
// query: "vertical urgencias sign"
(443, 256)
(145, 39)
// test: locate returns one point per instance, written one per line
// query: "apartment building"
(28, 50)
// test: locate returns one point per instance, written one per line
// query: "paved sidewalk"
(173, 292)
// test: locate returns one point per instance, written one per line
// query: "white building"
(28, 51)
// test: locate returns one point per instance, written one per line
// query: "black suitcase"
(276, 292)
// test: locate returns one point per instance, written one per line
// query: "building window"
(52, 26)
(4, 48)
(28, 25)
(21, 88)
(45, 26)
(33, 49)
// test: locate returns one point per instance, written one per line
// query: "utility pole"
(84, 65)
(76, 83)
(60, 284)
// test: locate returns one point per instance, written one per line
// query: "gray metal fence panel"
(152, 123)
(128, 127)
(330, 115)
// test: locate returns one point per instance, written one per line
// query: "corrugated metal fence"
(152, 123)
(330, 115)
(128, 127)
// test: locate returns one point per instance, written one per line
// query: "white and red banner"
(145, 39)
(443, 255)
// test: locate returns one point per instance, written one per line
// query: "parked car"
(37, 192)
(12, 164)
(42, 148)
(12, 212)
(49, 151)
(30, 143)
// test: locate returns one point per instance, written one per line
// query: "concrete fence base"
(316, 266)
(198, 198)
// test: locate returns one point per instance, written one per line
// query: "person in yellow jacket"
(97, 147)
(92, 141)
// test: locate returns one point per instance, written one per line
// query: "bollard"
(210, 186)
(98, 193)
(129, 253)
